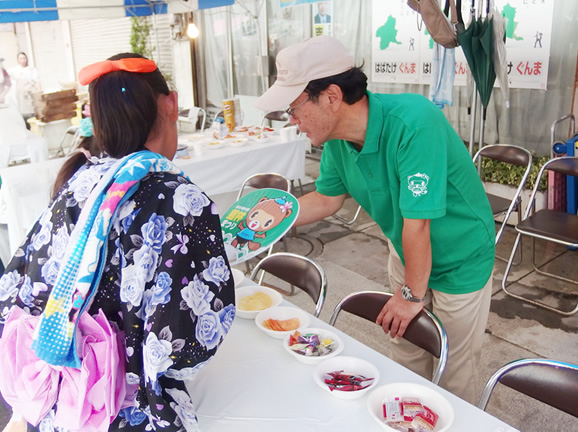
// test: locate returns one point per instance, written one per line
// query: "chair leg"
(350, 222)
(545, 273)
(518, 209)
(528, 300)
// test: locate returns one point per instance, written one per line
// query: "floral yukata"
(166, 284)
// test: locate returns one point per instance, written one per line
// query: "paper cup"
(198, 148)
(288, 133)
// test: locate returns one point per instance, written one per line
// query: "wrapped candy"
(344, 382)
(310, 344)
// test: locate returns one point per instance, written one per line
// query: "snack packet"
(425, 421)
(411, 407)
(392, 411)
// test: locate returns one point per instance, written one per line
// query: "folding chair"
(425, 330)
(265, 180)
(512, 155)
(298, 271)
(69, 141)
(550, 225)
(552, 382)
(350, 221)
(279, 116)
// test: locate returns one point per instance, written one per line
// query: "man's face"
(322, 8)
(312, 118)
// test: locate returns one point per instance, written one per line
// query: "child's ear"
(170, 106)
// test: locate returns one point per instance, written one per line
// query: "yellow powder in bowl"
(255, 302)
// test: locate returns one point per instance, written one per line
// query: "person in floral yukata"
(166, 281)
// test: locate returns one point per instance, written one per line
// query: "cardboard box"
(55, 106)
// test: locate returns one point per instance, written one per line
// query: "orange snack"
(281, 325)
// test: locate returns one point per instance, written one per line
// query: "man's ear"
(335, 95)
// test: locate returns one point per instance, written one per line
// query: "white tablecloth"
(25, 190)
(16, 142)
(253, 385)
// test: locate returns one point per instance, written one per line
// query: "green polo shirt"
(413, 165)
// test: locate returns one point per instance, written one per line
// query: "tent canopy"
(51, 10)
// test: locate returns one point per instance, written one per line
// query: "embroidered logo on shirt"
(417, 184)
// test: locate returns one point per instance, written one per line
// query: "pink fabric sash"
(89, 398)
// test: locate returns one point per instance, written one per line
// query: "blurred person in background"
(26, 83)
(5, 82)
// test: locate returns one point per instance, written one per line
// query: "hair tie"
(131, 64)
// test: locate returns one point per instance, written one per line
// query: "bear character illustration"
(265, 215)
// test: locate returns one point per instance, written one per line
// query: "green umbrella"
(477, 43)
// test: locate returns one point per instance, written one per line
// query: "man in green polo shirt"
(400, 159)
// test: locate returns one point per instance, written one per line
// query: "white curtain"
(527, 122)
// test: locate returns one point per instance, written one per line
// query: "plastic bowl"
(349, 365)
(250, 290)
(322, 333)
(281, 313)
(427, 396)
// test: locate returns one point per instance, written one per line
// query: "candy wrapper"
(310, 344)
(345, 382)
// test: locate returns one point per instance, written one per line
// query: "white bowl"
(282, 313)
(236, 142)
(214, 144)
(238, 276)
(322, 333)
(349, 365)
(427, 396)
(250, 290)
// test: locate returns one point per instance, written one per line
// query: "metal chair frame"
(550, 225)
(63, 150)
(280, 116)
(352, 220)
(297, 270)
(425, 330)
(513, 155)
(551, 382)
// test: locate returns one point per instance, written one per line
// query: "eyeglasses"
(291, 111)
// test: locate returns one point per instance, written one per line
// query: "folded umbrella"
(499, 55)
(477, 43)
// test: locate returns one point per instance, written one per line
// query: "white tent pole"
(230, 82)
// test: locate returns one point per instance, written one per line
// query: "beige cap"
(297, 65)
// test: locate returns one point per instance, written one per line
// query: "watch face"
(406, 292)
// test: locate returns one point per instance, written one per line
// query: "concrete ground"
(355, 256)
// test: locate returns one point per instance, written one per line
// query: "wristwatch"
(407, 295)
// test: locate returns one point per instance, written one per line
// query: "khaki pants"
(464, 317)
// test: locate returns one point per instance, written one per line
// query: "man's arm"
(315, 206)
(398, 313)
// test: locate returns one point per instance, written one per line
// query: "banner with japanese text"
(402, 48)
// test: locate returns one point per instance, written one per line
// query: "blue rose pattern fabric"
(167, 284)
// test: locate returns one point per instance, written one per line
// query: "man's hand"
(397, 314)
